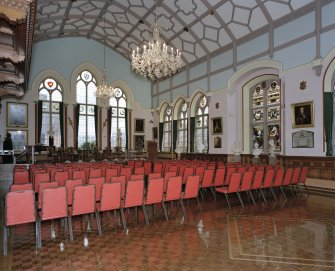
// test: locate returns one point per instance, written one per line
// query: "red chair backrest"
(53, 172)
(136, 177)
(288, 176)
(241, 169)
(40, 177)
(110, 196)
(200, 171)
(189, 171)
(303, 175)
(230, 171)
(126, 171)
(122, 180)
(158, 167)
(54, 203)
(111, 172)
(20, 177)
(235, 181)
(258, 179)
(296, 175)
(173, 168)
(98, 182)
(166, 178)
(219, 177)
(192, 187)
(155, 191)
(253, 169)
(268, 179)
(154, 176)
(246, 181)
(61, 177)
(147, 168)
(96, 172)
(79, 174)
(181, 170)
(208, 178)
(41, 187)
(138, 164)
(139, 171)
(83, 199)
(173, 190)
(20, 207)
(279, 178)
(70, 185)
(24, 186)
(134, 193)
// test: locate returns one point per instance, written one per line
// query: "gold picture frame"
(217, 126)
(17, 115)
(303, 114)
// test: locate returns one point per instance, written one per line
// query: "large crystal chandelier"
(157, 60)
(104, 91)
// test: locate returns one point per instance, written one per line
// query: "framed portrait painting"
(216, 126)
(139, 125)
(303, 114)
(19, 138)
(17, 115)
(217, 142)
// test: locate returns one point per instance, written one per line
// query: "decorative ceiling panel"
(196, 27)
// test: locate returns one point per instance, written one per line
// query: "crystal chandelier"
(156, 60)
(104, 91)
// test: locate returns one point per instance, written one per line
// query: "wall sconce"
(151, 121)
(70, 122)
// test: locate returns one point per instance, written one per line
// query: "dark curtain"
(61, 123)
(126, 116)
(77, 109)
(175, 133)
(328, 116)
(96, 117)
(161, 126)
(39, 121)
(192, 128)
(109, 124)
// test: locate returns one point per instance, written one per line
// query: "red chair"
(134, 197)
(23, 186)
(189, 171)
(138, 163)
(83, 203)
(79, 174)
(303, 177)
(70, 185)
(139, 171)
(41, 187)
(122, 180)
(136, 177)
(173, 168)
(147, 168)
(207, 183)
(200, 171)
(295, 176)
(20, 177)
(94, 173)
(154, 176)
(166, 178)
(267, 184)
(278, 181)
(257, 183)
(53, 172)
(53, 206)
(61, 177)
(191, 191)
(111, 198)
(19, 209)
(229, 172)
(40, 177)
(233, 187)
(173, 192)
(154, 192)
(219, 177)
(158, 168)
(126, 171)
(111, 172)
(98, 182)
(246, 185)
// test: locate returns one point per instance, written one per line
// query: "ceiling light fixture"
(157, 60)
(104, 91)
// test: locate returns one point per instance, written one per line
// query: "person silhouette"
(8, 145)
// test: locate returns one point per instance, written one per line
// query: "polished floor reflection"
(297, 234)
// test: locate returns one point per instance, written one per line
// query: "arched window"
(201, 124)
(50, 99)
(265, 98)
(118, 119)
(86, 102)
(167, 130)
(182, 126)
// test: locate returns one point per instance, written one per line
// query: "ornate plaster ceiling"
(199, 28)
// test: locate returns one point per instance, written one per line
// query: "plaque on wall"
(303, 139)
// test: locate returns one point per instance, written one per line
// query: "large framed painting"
(303, 114)
(216, 126)
(19, 138)
(139, 125)
(17, 115)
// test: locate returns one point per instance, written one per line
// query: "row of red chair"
(20, 205)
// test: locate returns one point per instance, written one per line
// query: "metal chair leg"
(240, 199)
(98, 222)
(5, 240)
(165, 211)
(69, 218)
(226, 195)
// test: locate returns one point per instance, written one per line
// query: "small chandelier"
(104, 91)
(156, 60)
